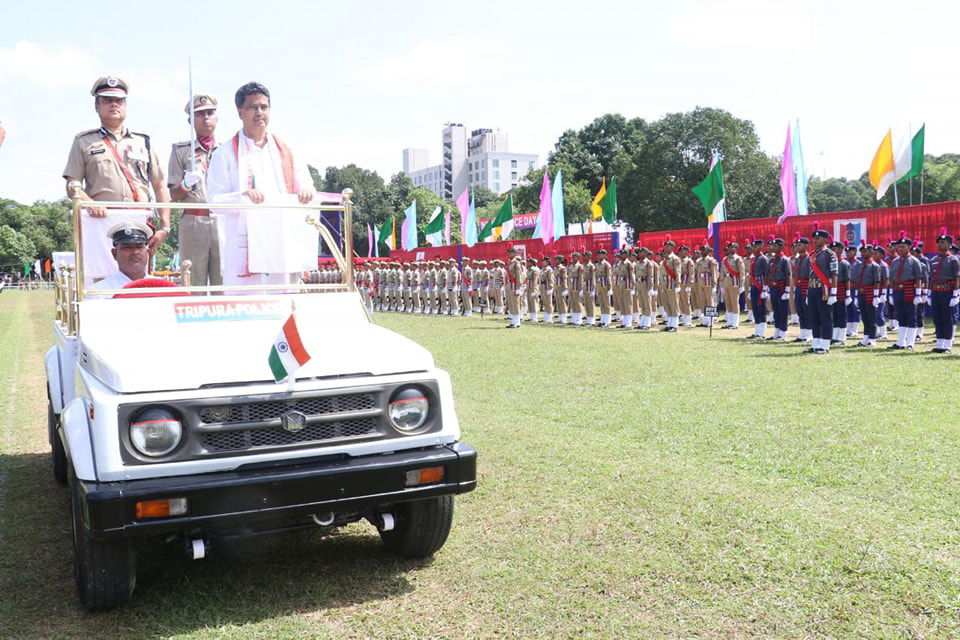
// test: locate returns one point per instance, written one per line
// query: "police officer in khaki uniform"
(533, 289)
(113, 163)
(589, 288)
(687, 271)
(515, 279)
(575, 276)
(187, 180)
(604, 279)
(732, 273)
(466, 289)
(547, 283)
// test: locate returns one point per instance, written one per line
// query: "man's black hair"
(249, 89)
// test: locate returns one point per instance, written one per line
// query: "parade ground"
(632, 485)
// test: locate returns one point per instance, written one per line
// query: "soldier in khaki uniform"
(575, 273)
(687, 276)
(628, 278)
(604, 279)
(453, 287)
(467, 288)
(113, 163)
(708, 272)
(547, 283)
(443, 305)
(187, 180)
(645, 287)
(497, 276)
(589, 288)
(533, 290)
(516, 277)
(562, 288)
(670, 286)
(732, 273)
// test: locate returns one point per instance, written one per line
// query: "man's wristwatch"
(165, 230)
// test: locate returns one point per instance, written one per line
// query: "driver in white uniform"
(130, 240)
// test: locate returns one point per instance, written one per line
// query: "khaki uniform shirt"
(92, 162)
(180, 164)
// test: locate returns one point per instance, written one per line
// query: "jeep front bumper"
(268, 493)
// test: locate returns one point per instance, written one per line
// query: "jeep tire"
(420, 527)
(105, 572)
(56, 446)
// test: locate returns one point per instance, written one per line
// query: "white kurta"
(256, 167)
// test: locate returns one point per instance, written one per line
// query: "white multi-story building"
(482, 159)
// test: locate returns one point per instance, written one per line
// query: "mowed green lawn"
(632, 485)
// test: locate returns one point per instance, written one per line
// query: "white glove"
(918, 299)
(549, 292)
(676, 290)
(765, 293)
(876, 301)
(633, 292)
(741, 289)
(785, 296)
(848, 300)
(191, 179)
(653, 292)
(956, 298)
(564, 292)
(832, 300)
(687, 289)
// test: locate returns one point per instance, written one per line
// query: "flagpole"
(922, 169)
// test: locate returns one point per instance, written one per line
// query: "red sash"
(286, 162)
(670, 273)
(123, 168)
(824, 280)
(734, 274)
(753, 279)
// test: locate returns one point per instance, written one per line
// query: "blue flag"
(559, 221)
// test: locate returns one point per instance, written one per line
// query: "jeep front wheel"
(105, 572)
(420, 527)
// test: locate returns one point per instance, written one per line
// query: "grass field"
(632, 485)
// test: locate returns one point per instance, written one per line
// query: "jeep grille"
(273, 410)
(277, 436)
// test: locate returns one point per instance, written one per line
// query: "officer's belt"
(196, 212)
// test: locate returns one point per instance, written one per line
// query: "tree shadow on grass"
(248, 581)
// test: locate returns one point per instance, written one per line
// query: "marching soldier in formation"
(575, 272)
(670, 286)
(708, 279)
(466, 289)
(453, 287)
(688, 269)
(533, 290)
(853, 309)
(779, 289)
(869, 285)
(589, 288)
(925, 295)
(906, 282)
(562, 288)
(801, 279)
(822, 292)
(645, 288)
(732, 273)
(547, 284)
(844, 295)
(515, 278)
(758, 269)
(944, 292)
(604, 278)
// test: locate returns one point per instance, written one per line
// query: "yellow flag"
(595, 205)
(882, 164)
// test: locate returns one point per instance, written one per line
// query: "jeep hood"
(136, 345)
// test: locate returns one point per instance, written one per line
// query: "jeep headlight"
(408, 409)
(155, 432)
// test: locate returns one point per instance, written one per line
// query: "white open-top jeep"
(165, 420)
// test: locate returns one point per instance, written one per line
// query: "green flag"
(436, 223)
(916, 157)
(504, 215)
(385, 230)
(711, 190)
(609, 204)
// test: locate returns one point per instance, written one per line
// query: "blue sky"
(359, 81)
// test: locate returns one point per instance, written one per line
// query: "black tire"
(56, 447)
(105, 572)
(420, 527)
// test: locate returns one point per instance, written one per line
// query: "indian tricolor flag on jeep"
(287, 354)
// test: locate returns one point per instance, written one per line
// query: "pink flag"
(463, 206)
(369, 241)
(546, 211)
(446, 228)
(788, 182)
(403, 234)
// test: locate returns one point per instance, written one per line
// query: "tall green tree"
(15, 249)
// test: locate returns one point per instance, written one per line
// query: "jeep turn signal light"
(161, 508)
(424, 476)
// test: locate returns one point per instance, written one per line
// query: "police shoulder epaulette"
(140, 133)
(88, 132)
(185, 143)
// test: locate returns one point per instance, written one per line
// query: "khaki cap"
(201, 102)
(109, 87)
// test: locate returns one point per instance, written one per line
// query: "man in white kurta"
(257, 167)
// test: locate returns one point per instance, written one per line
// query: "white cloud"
(441, 65)
(748, 23)
(50, 67)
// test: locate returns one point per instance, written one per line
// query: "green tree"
(839, 194)
(606, 147)
(15, 248)
(655, 193)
